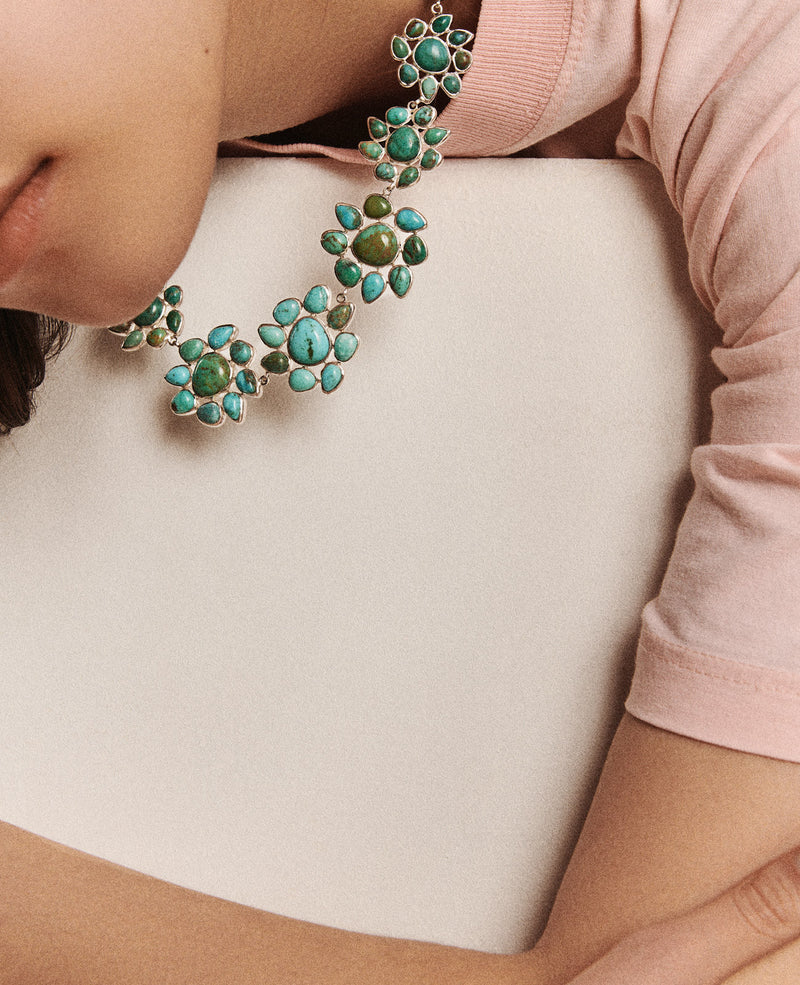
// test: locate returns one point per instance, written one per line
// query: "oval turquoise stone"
(452, 84)
(372, 287)
(408, 176)
(340, 316)
(408, 75)
(246, 381)
(431, 159)
(415, 28)
(376, 245)
(173, 295)
(175, 322)
(349, 216)
(301, 380)
(398, 115)
(415, 251)
(209, 413)
(156, 337)
(370, 149)
(220, 336)
(233, 406)
(271, 335)
(134, 339)
(308, 342)
(400, 48)
(151, 314)
(400, 281)
(241, 353)
(403, 145)
(331, 377)
(347, 272)
(286, 311)
(183, 402)
(334, 242)
(275, 362)
(432, 55)
(376, 207)
(429, 87)
(179, 376)
(409, 220)
(191, 349)
(385, 171)
(377, 128)
(211, 375)
(425, 115)
(345, 346)
(462, 60)
(317, 300)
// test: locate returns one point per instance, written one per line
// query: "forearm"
(70, 919)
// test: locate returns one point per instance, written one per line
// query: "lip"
(22, 208)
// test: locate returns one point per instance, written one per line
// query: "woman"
(706, 757)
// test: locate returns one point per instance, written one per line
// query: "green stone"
(371, 150)
(340, 316)
(271, 335)
(334, 242)
(220, 336)
(233, 406)
(247, 382)
(209, 413)
(173, 295)
(241, 353)
(211, 375)
(400, 48)
(376, 245)
(403, 145)
(436, 135)
(308, 343)
(191, 349)
(441, 23)
(408, 76)
(425, 115)
(275, 362)
(416, 28)
(372, 287)
(317, 300)
(397, 116)
(175, 322)
(349, 216)
(179, 376)
(156, 337)
(400, 281)
(452, 84)
(415, 251)
(376, 207)
(345, 346)
(430, 159)
(286, 311)
(183, 402)
(429, 87)
(377, 128)
(330, 377)
(408, 176)
(432, 55)
(410, 221)
(134, 339)
(301, 380)
(462, 60)
(457, 38)
(385, 171)
(347, 273)
(151, 314)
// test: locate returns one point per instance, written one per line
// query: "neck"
(290, 61)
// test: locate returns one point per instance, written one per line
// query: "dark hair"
(26, 342)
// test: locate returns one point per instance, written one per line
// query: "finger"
(707, 945)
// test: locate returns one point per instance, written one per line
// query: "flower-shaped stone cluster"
(215, 377)
(403, 144)
(306, 346)
(432, 56)
(376, 245)
(159, 323)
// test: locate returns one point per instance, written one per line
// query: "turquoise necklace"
(376, 248)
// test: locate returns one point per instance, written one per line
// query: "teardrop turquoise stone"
(429, 87)
(151, 314)
(345, 346)
(452, 84)
(415, 251)
(397, 116)
(400, 48)
(385, 171)
(376, 207)
(372, 287)
(331, 377)
(462, 60)
(347, 272)
(175, 322)
(156, 337)
(409, 220)
(211, 375)
(286, 311)
(408, 75)
(134, 339)
(183, 402)
(271, 335)
(179, 376)
(173, 295)
(441, 23)
(301, 380)
(191, 350)
(233, 406)
(371, 150)
(241, 353)
(317, 300)
(403, 145)
(432, 55)
(430, 159)
(457, 38)
(275, 362)
(435, 135)
(334, 242)
(425, 115)
(400, 281)
(376, 245)
(246, 381)
(220, 336)
(309, 344)
(340, 316)
(209, 413)
(377, 128)
(408, 176)
(349, 216)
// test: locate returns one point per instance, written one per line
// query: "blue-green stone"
(241, 353)
(211, 375)
(432, 55)
(409, 220)
(151, 314)
(377, 128)
(175, 322)
(452, 84)
(271, 335)
(334, 242)
(347, 273)
(429, 87)
(301, 380)
(403, 145)
(400, 48)
(430, 159)
(415, 251)
(209, 413)
(134, 339)
(317, 300)
(331, 377)
(385, 171)
(183, 402)
(462, 60)
(372, 287)
(416, 28)
(441, 23)
(233, 406)
(371, 149)
(275, 362)
(220, 336)
(156, 337)
(247, 382)
(349, 216)
(400, 281)
(397, 116)
(408, 176)
(308, 343)
(376, 207)
(425, 115)
(376, 245)
(457, 38)
(286, 311)
(191, 349)
(408, 75)
(179, 376)
(173, 295)
(340, 316)
(435, 135)
(345, 346)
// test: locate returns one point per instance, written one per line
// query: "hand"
(712, 942)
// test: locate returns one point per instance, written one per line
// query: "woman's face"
(121, 101)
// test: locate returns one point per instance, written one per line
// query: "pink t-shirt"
(710, 94)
